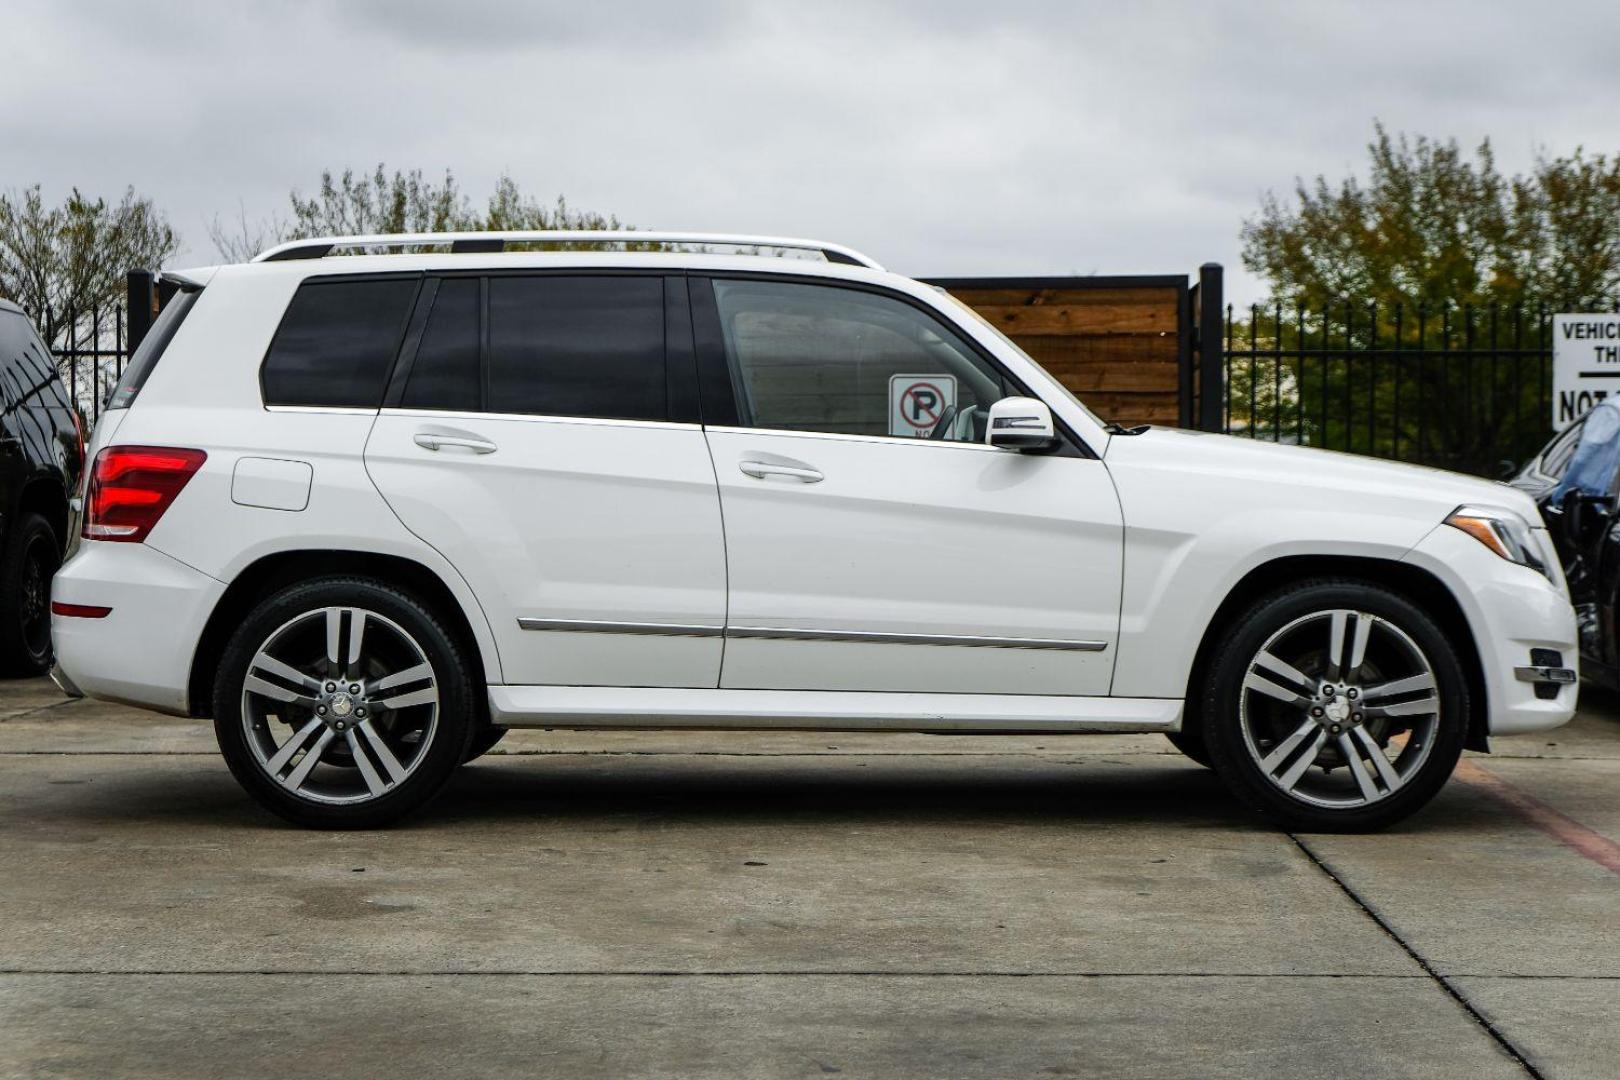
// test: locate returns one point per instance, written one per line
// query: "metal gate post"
(1211, 349)
(138, 287)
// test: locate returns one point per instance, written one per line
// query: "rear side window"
(157, 339)
(336, 343)
(577, 346)
(445, 373)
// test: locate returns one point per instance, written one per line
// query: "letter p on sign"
(917, 403)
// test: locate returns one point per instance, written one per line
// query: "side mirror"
(1021, 423)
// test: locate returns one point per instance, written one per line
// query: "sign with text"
(1586, 364)
(917, 403)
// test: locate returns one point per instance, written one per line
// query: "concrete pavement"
(760, 905)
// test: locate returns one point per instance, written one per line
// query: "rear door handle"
(432, 440)
(762, 469)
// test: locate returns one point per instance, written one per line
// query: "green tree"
(1432, 250)
(349, 204)
(1433, 225)
(62, 263)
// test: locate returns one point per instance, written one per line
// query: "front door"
(874, 542)
(536, 440)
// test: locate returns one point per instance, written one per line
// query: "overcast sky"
(962, 138)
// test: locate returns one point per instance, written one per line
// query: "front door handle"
(762, 469)
(432, 440)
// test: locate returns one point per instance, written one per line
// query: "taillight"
(131, 487)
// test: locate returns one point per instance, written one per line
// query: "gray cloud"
(944, 138)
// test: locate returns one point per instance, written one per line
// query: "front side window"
(821, 358)
(337, 342)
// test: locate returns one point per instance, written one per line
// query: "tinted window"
(577, 346)
(820, 358)
(33, 402)
(157, 339)
(336, 343)
(445, 373)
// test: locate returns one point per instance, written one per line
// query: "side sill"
(660, 707)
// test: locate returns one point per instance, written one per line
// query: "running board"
(658, 707)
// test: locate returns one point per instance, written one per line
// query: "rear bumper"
(63, 683)
(140, 653)
(1517, 616)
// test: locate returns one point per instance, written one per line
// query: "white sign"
(1586, 364)
(917, 403)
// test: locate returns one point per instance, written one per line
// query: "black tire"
(1190, 743)
(441, 742)
(483, 741)
(1432, 742)
(32, 556)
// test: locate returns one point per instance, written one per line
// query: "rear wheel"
(343, 703)
(1335, 706)
(32, 556)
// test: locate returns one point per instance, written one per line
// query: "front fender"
(1176, 579)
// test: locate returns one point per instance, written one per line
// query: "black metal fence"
(91, 357)
(1461, 388)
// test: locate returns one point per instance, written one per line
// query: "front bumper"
(140, 653)
(1518, 619)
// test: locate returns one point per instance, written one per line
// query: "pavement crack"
(24, 714)
(699, 973)
(1502, 1041)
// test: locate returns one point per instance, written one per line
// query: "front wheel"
(343, 703)
(1335, 706)
(1191, 744)
(483, 741)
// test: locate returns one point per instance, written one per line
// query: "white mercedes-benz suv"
(369, 511)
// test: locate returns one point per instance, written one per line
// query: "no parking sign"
(917, 403)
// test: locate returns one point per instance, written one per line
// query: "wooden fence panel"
(1117, 343)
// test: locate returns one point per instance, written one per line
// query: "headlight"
(1503, 531)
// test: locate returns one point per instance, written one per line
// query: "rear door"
(540, 432)
(874, 542)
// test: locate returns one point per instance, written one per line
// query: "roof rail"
(467, 242)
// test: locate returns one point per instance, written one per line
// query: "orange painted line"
(1566, 830)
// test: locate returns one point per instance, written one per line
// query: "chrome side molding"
(782, 633)
(881, 638)
(592, 626)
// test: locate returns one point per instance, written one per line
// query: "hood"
(1256, 475)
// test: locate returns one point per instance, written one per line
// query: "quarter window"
(336, 343)
(822, 358)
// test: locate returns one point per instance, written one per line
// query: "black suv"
(41, 456)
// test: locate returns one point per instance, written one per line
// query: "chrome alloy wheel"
(340, 705)
(1340, 708)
